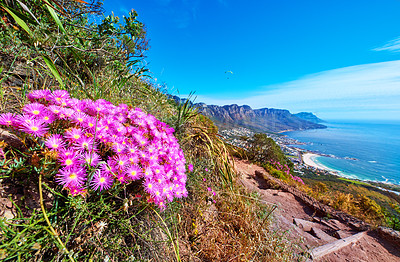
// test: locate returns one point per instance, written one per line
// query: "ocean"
(374, 145)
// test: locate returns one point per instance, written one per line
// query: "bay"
(374, 144)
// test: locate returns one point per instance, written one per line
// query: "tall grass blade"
(19, 21)
(56, 19)
(53, 70)
(27, 9)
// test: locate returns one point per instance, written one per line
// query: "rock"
(8, 214)
(340, 234)
(303, 224)
(6, 202)
(318, 233)
(335, 223)
(10, 139)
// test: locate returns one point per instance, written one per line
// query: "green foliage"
(263, 149)
(59, 43)
(45, 45)
(358, 198)
(186, 111)
(369, 206)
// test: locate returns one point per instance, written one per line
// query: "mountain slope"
(309, 117)
(264, 120)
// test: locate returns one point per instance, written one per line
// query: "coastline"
(308, 159)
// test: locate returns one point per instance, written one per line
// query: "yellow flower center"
(121, 162)
(77, 136)
(133, 173)
(54, 145)
(36, 112)
(46, 118)
(68, 162)
(150, 186)
(80, 119)
(72, 176)
(91, 125)
(85, 144)
(102, 180)
(34, 128)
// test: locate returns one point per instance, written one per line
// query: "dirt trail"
(302, 222)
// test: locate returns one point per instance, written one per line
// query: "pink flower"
(7, 119)
(34, 109)
(134, 172)
(74, 134)
(34, 127)
(69, 158)
(206, 169)
(190, 168)
(55, 142)
(77, 190)
(101, 180)
(91, 158)
(58, 95)
(79, 118)
(39, 94)
(74, 176)
(85, 143)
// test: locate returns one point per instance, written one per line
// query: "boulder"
(318, 233)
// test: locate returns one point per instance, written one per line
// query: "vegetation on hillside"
(360, 199)
(52, 212)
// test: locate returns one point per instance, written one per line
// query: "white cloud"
(355, 90)
(393, 45)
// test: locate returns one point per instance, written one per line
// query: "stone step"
(334, 246)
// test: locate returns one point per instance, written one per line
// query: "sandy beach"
(308, 160)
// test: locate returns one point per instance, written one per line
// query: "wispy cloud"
(393, 45)
(348, 92)
(181, 12)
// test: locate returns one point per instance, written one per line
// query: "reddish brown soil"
(369, 248)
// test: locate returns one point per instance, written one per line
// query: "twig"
(53, 232)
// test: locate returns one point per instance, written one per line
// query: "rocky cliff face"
(264, 120)
(309, 117)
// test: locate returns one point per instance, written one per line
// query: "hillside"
(309, 117)
(261, 120)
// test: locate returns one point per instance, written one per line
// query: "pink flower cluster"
(285, 168)
(297, 179)
(100, 144)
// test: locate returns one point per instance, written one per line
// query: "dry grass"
(230, 226)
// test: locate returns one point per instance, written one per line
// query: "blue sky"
(338, 59)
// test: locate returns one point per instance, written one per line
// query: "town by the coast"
(303, 160)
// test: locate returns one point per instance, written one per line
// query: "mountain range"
(260, 120)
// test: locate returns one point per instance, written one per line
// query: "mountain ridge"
(262, 120)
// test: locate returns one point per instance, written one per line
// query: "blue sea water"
(375, 145)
